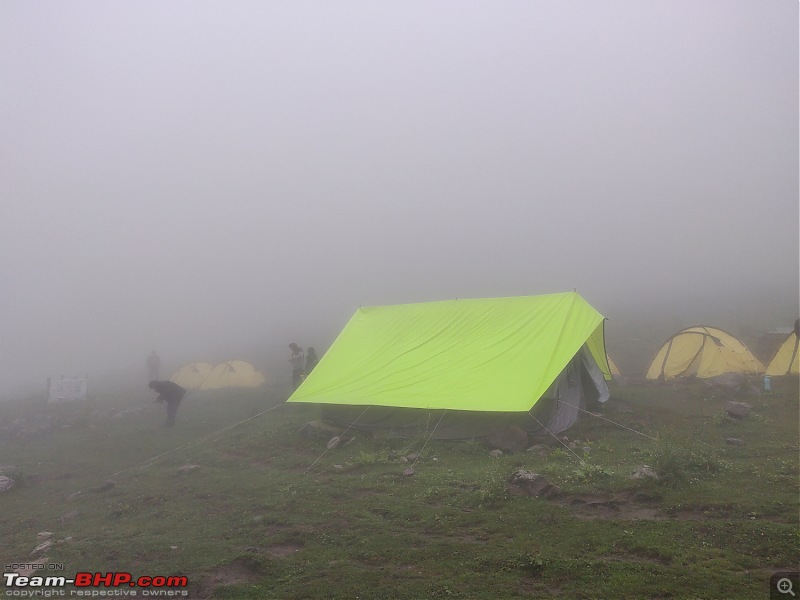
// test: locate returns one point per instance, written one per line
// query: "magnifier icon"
(784, 586)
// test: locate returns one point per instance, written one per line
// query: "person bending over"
(172, 394)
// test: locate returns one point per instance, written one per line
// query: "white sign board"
(66, 390)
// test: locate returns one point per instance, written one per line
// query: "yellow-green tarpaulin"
(498, 354)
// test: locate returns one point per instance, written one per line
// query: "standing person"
(311, 360)
(153, 366)
(172, 394)
(298, 362)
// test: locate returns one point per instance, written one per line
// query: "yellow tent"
(702, 352)
(613, 367)
(232, 373)
(192, 375)
(787, 358)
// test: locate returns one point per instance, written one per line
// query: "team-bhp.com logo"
(112, 584)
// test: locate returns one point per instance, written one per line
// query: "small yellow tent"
(702, 352)
(232, 373)
(613, 367)
(192, 375)
(787, 359)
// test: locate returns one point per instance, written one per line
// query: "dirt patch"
(624, 505)
(630, 506)
(236, 572)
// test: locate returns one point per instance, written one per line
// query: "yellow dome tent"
(192, 375)
(702, 352)
(787, 359)
(232, 373)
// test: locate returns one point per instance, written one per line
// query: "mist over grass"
(215, 183)
(635, 330)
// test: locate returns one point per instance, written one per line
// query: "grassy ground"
(253, 521)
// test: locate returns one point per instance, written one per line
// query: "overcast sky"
(188, 175)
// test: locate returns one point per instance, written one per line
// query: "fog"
(215, 180)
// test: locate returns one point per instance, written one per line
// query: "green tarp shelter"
(497, 355)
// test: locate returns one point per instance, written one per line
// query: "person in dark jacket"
(172, 394)
(298, 361)
(311, 360)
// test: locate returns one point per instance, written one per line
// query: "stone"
(496, 453)
(734, 441)
(6, 483)
(42, 548)
(69, 515)
(532, 484)
(408, 472)
(644, 472)
(334, 442)
(730, 381)
(108, 485)
(738, 410)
